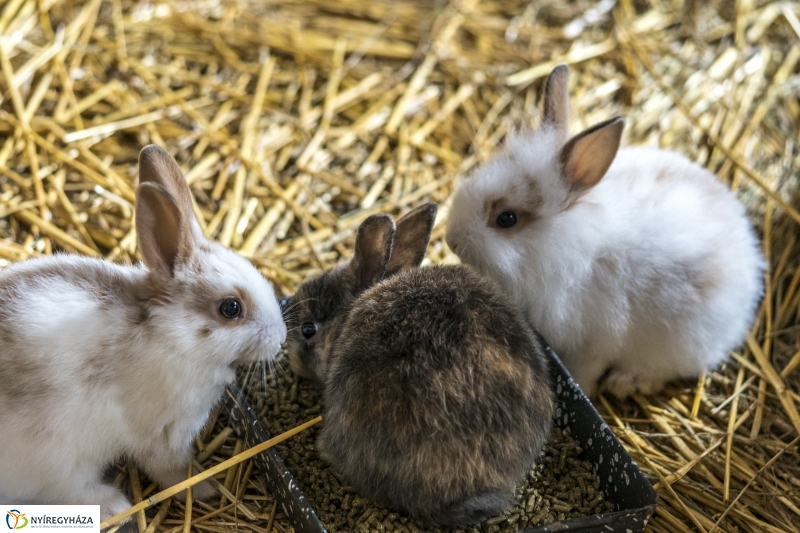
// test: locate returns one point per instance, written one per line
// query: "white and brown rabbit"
(639, 264)
(100, 361)
(437, 397)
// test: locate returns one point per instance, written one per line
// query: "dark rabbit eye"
(507, 219)
(309, 329)
(230, 308)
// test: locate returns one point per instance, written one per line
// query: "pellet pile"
(558, 487)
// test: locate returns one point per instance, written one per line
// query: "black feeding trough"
(621, 481)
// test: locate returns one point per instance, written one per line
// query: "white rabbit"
(642, 266)
(100, 361)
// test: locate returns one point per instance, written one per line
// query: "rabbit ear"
(556, 100)
(157, 166)
(586, 157)
(164, 237)
(411, 238)
(373, 250)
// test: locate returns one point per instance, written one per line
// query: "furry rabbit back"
(640, 264)
(99, 361)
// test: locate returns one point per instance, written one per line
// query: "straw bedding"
(294, 120)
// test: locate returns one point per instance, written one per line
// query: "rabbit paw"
(624, 382)
(203, 490)
(111, 500)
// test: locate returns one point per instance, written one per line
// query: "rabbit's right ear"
(157, 166)
(556, 101)
(586, 157)
(373, 250)
(411, 238)
(165, 240)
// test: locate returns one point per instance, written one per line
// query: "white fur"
(654, 273)
(86, 377)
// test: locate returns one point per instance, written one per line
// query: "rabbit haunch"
(637, 263)
(436, 393)
(100, 361)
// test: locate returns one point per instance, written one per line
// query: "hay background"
(296, 119)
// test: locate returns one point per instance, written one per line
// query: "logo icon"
(17, 516)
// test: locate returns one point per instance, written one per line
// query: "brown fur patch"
(100, 367)
(610, 264)
(663, 175)
(513, 370)
(693, 281)
(247, 303)
(25, 380)
(525, 204)
(525, 215)
(704, 280)
(204, 299)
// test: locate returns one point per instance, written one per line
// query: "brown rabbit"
(321, 302)
(437, 398)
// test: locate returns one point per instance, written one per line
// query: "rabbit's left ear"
(586, 157)
(158, 167)
(164, 238)
(373, 250)
(556, 101)
(411, 238)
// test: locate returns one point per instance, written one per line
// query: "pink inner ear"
(168, 240)
(160, 227)
(586, 157)
(157, 166)
(581, 170)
